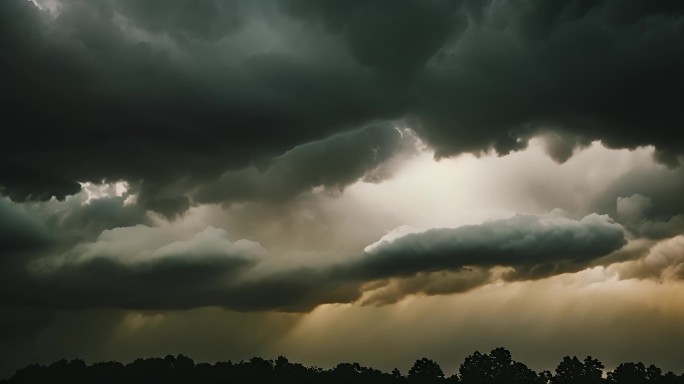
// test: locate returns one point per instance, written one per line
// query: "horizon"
(568, 367)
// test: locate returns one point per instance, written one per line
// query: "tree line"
(495, 367)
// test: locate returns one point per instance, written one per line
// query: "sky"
(346, 180)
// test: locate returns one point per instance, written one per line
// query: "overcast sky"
(370, 181)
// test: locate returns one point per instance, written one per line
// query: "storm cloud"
(535, 246)
(19, 230)
(120, 84)
(234, 161)
(145, 268)
(332, 163)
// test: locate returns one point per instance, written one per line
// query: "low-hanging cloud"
(535, 246)
(148, 268)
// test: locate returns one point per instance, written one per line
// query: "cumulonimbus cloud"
(149, 94)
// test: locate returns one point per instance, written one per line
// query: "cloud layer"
(535, 246)
(142, 267)
(173, 94)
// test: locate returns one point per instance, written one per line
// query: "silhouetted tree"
(396, 373)
(671, 378)
(568, 371)
(654, 374)
(593, 370)
(33, 373)
(497, 367)
(544, 376)
(628, 373)
(425, 371)
(637, 373)
(453, 379)
(475, 369)
(258, 369)
(106, 372)
(574, 371)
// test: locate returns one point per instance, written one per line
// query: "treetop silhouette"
(495, 367)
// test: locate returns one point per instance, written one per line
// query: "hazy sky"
(370, 181)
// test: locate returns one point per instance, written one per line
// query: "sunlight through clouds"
(341, 180)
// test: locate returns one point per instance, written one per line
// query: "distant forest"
(496, 367)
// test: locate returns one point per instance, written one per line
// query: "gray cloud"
(208, 20)
(148, 268)
(637, 212)
(86, 222)
(395, 40)
(143, 267)
(427, 283)
(135, 267)
(175, 283)
(140, 109)
(331, 163)
(535, 246)
(20, 230)
(170, 95)
(583, 67)
(646, 200)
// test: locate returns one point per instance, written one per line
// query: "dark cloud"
(184, 19)
(331, 163)
(175, 283)
(169, 95)
(638, 213)
(45, 225)
(112, 105)
(426, 283)
(20, 230)
(561, 146)
(646, 200)
(87, 221)
(396, 39)
(582, 66)
(144, 268)
(169, 207)
(135, 267)
(535, 246)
